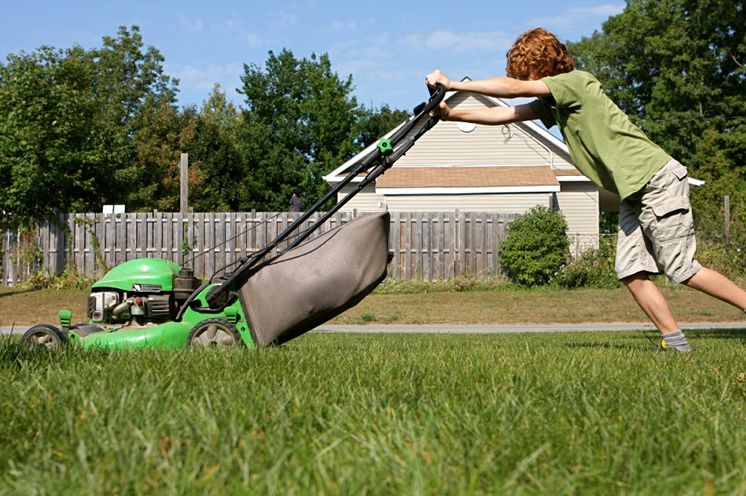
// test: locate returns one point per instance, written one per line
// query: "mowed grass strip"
(380, 414)
(500, 306)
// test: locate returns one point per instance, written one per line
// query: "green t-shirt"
(604, 145)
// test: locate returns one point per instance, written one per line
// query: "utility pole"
(183, 209)
(184, 184)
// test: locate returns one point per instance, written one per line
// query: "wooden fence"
(431, 246)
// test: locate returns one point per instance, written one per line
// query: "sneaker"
(664, 346)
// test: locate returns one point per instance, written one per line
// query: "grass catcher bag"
(317, 280)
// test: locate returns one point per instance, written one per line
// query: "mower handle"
(437, 94)
(420, 120)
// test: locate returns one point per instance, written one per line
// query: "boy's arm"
(490, 116)
(500, 87)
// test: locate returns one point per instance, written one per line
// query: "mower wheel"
(212, 333)
(45, 335)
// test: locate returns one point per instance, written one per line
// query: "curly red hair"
(538, 53)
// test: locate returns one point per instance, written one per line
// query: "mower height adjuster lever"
(385, 146)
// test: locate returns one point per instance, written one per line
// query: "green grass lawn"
(573, 413)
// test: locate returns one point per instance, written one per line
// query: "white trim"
(572, 179)
(695, 182)
(336, 175)
(467, 190)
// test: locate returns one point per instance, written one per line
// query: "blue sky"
(388, 47)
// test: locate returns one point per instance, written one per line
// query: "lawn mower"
(273, 295)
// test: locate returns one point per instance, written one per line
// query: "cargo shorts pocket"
(673, 219)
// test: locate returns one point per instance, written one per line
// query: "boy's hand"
(437, 77)
(443, 111)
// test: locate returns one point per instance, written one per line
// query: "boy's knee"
(635, 278)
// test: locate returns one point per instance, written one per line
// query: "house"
(469, 167)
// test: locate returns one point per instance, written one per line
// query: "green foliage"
(69, 120)
(218, 172)
(298, 125)
(46, 154)
(535, 247)
(301, 122)
(593, 269)
(727, 256)
(374, 123)
(677, 67)
(68, 279)
(454, 285)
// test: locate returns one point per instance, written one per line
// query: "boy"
(656, 232)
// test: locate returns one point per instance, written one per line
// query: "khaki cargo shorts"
(656, 229)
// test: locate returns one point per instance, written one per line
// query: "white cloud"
(460, 42)
(191, 25)
(282, 20)
(253, 39)
(202, 79)
(343, 27)
(579, 15)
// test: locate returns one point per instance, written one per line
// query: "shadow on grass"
(739, 334)
(653, 338)
(606, 346)
(12, 293)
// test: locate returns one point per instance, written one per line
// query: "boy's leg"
(717, 285)
(666, 220)
(651, 300)
(635, 261)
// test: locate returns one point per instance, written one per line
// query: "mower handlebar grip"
(437, 94)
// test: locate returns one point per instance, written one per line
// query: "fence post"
(726, 211)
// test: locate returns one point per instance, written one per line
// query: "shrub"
(69, 279)
(594, 268)
(536, 246)
(724, 256)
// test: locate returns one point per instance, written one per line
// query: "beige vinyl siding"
(500, 203)
(446, 145)
(578, 202)
(365, 201)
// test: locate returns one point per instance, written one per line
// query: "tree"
(374, 123)
(216, 151)
(46, 155)
(69, 123)
(137, 105)
(297, 126)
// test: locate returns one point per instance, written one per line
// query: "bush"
(721, 255)
(594, 268)
(69, 279)
(536, 247)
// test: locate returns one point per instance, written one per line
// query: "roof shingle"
(466, 177)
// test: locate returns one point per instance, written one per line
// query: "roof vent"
(466, 127)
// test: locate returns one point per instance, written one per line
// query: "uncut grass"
(380, 414)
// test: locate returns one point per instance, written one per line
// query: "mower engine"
(112, 307)
(144, 291)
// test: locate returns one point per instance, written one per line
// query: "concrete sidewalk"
(484, 328)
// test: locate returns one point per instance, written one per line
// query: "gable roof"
(536, 132)
(454, 180)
